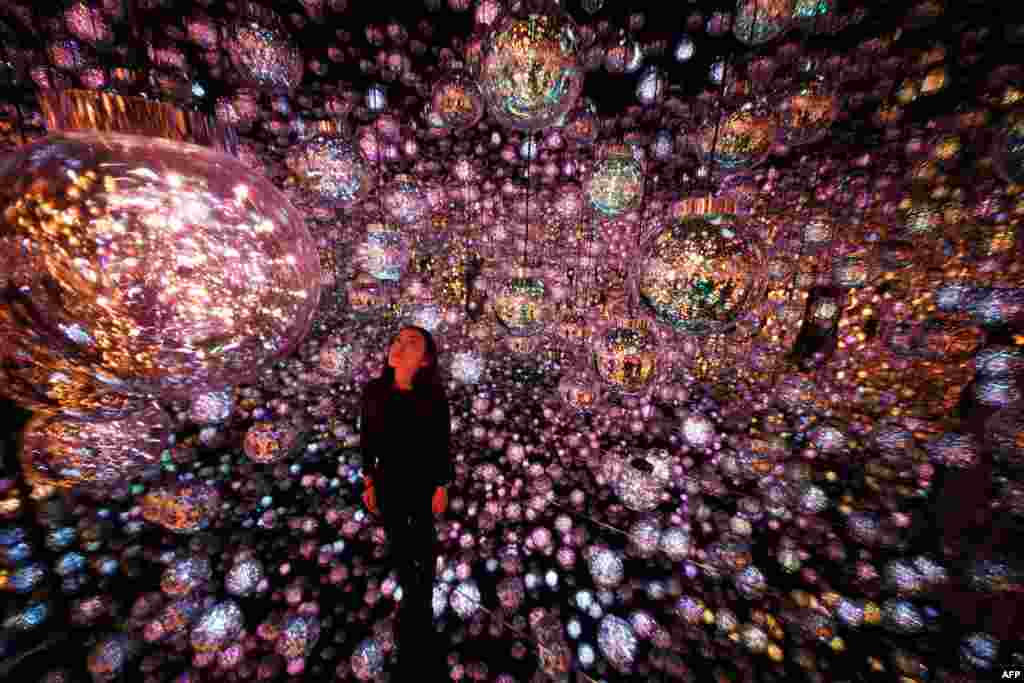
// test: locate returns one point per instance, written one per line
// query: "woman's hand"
(440, 502)
(370, 497)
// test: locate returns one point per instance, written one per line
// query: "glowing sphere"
(617, 183)
(700, 274)
(298, 636)
(262, 51)
(161, 276)
(270, 442)
(244, 577)
(405, 201)
(65, 454)
(385, 253)
(331, 169)
(467, 366)
(183, 508)
(582, 125)
(760, 21)
(523, 306)
(529, 73)
(744, 139)
(457, 101)
(806, 115)
(217, 627)
(1008, 152)
(639, 482)
(212, 407)
(626, 357)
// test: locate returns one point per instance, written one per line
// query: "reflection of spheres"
(106, 661)
(1000, 361)
(218, 626)
(457, 101)
(184, 508)
(606, 567)
(262, 51)
(465, 599)
(700, 274)
(902, 616)
(1008, 153)
(617, 642)
(523, 306)
(244, 577)
(170, 259)
(640, 482)
(617, 183)
(979, 651)
(429, 316)
(760, 21)
(270, 442)
(65, 454)
(1004, 434)
(331, 169)
(405, 201)
(529, 73)
(698, 430)
(212, 407)
(806, 115)
(385, 253)
(626, 357)
(743, 139)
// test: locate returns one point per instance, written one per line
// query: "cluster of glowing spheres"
(262, 50)
(331, 169)
(529, 73)
(182, 507)
(385, 252)
(1008, 152)
(760, 21)
(270, 442)
(468, 366)
(405, 201)
(626, 357)
(168, 258)
(217, 627)
(64, 453)
(456, 100)
(522, 306)
(212, 407)
(741, 140)
(617, 182)
(699, 274)
(806, 115)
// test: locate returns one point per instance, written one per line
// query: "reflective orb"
(806, 115)
(617, 182)
(640, 481)
(467, 366)
(65, 454)
(244, 577)
(760, 21)
(262, 50)
(405, 201)
(744, 139)
(1008, 152)
(107, 659)
(529, 72)
(270, 442)
(160, 279)
(217, 627)
(626, 357)
(337, 358)
(298, 636)
(700, 274)
(523, 306)
(212, 407)
(183, 508)
(457, 101)
(331, 169)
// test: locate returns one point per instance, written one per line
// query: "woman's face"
(408, 352)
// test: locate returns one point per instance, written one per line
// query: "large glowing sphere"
(174, 269)
(457, 101)
(617, 182)
(331, 169)
(523, 306)
(626, 357)
(701, 273)
(760, 21)
(262, 50)
(741, 140)
(385, 253)
(66, 454)
(640, 481)
(529, 74)
(1008, 153)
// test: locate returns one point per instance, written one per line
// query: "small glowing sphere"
(457, 101)
(385, 253)
(467, 366)
(262, 51)
(217, 627)
(760, 21)
(331, 169)
(617, 183)
(270, 442)
(529, 72)
(626, 357)
(523, 306)
(244, 577)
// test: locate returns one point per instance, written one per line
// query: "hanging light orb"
(1008, 153)
(168, 257)
(616, 184)
(530, 75)
(626, 356)
(702, 272)
(640, 481)
(457, 101)
(685, 49)
(66, 454)
(331, 169)
(760, 21)
(385, 252)
(807, 114)
(523, 305)
(405, 201)
(262, 50)
(744, 139)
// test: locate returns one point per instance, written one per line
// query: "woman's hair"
(428, 377)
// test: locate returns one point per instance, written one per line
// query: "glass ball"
(331, 169)
(261, 49)
(760, 21)
(244, 577)
(299, 635)
(640, 481)
(182, 508)
(65, 454)
(270, 442)
(700, 274)
(217, 627)
(744, 139)
(523, 306)
(457, 101)
(806, 115)
(617, 182)
(405, 201)
(385, 253)
(160, 279)
(1008, 152)
(626, 357)
(529, 74)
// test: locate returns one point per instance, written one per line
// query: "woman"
(405, 432)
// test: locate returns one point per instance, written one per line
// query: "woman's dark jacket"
(404, 440)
